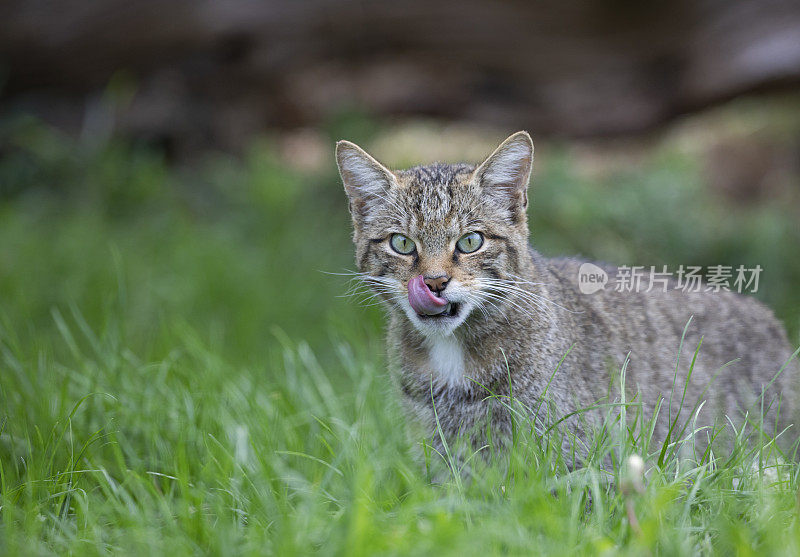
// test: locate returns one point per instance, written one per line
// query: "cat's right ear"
(505, 174)
(366, 181)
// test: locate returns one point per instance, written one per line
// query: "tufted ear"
(504, 175)
(366, 181)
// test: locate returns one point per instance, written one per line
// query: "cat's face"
(437, 242)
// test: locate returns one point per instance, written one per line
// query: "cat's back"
(730, 322)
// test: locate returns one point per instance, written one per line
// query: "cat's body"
(514, 317)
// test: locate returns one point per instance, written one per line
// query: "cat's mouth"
(451, 310)
(430, 306)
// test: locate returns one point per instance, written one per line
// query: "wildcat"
(473, 310)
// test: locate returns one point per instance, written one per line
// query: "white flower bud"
(633, 480)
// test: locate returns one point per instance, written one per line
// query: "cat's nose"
(437, 284)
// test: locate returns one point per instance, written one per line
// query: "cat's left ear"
(505, 174)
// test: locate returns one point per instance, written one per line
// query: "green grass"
(178, 375)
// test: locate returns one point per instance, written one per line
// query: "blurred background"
(167, 165)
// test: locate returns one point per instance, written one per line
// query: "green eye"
(469, 242)
(402, 245)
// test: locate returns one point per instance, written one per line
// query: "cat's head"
(438, 241)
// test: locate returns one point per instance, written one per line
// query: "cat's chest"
(447, 360)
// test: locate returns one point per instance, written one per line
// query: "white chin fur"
(438, 326)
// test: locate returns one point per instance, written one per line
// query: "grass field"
(179, 374)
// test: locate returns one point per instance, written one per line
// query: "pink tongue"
(422, 299)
